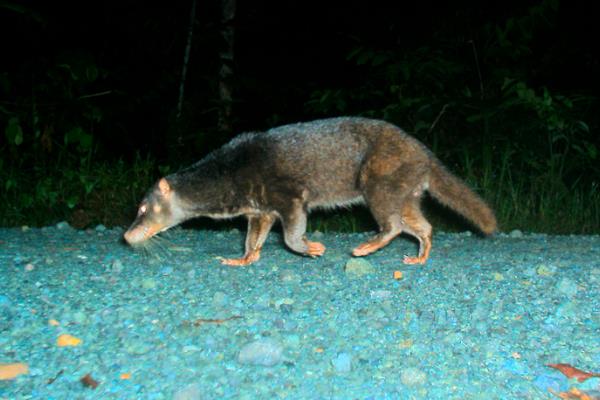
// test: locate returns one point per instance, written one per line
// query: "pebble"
(380, 294)
(516, 234)
(137, 347)
(412, 376)
(11, 371)
(79, 317)
(516, 367)
(62, 225)
(567, 287)
(286, 309)
(546, 270)
(285, 301)
(100, 228)
(211, 343)
(148, 283)
(191, 349)
(219, 299)
(567, 309)
(116, 267)
(266, 352)
(545, 382)
(5, 301)
(193, 391)
(342, 362)
(285, 324)
(293, 340)
(6, 313)
(357, 267)
(66, 340)
(288, 276)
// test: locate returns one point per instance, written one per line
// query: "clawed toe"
(239, 262)
(363, 250)
(235, 262)
(415, 260)
(367, 248)
(315, 249)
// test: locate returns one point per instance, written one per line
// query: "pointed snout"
(140, 232)
(134, 235)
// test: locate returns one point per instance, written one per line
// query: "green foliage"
(57, 107)
(101, 192)
(48, 147)
(14, 132)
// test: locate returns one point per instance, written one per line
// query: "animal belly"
(335, 201)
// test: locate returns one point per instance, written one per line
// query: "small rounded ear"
(164, 187)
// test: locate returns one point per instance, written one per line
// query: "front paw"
(314, 249)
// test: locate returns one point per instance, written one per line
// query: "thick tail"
(454, 193)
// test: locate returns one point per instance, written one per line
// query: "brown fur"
(287, 171)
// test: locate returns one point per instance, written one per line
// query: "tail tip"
(490, 226)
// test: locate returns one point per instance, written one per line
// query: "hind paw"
(415, 260)
(367, 248)
(248, 259)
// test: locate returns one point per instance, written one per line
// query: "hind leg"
(387, 184)
(294, 229)
(258, 229)
(415, 224)
(390, 228)
(384, 200)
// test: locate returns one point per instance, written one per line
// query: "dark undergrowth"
(108, 193)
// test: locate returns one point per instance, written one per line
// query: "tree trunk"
(174, 132)
(186, 58)
(226, 72)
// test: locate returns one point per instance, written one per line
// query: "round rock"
(266, 352)
(413, 376)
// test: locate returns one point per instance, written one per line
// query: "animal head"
(160, 210)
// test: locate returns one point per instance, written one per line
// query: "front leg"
(294, 230)
(258, 229)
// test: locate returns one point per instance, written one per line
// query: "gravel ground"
(481, 320)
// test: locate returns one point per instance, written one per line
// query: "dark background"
(479, 82)
(284, 51)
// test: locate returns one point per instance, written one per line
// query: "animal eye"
(142, 210)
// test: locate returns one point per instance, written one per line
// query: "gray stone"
(516, 234)
(567, 287)
(62, 225)
(357, 267)
(219, 299)
(412, 377)
(266, 352)
(342, 362)
(190, 392)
